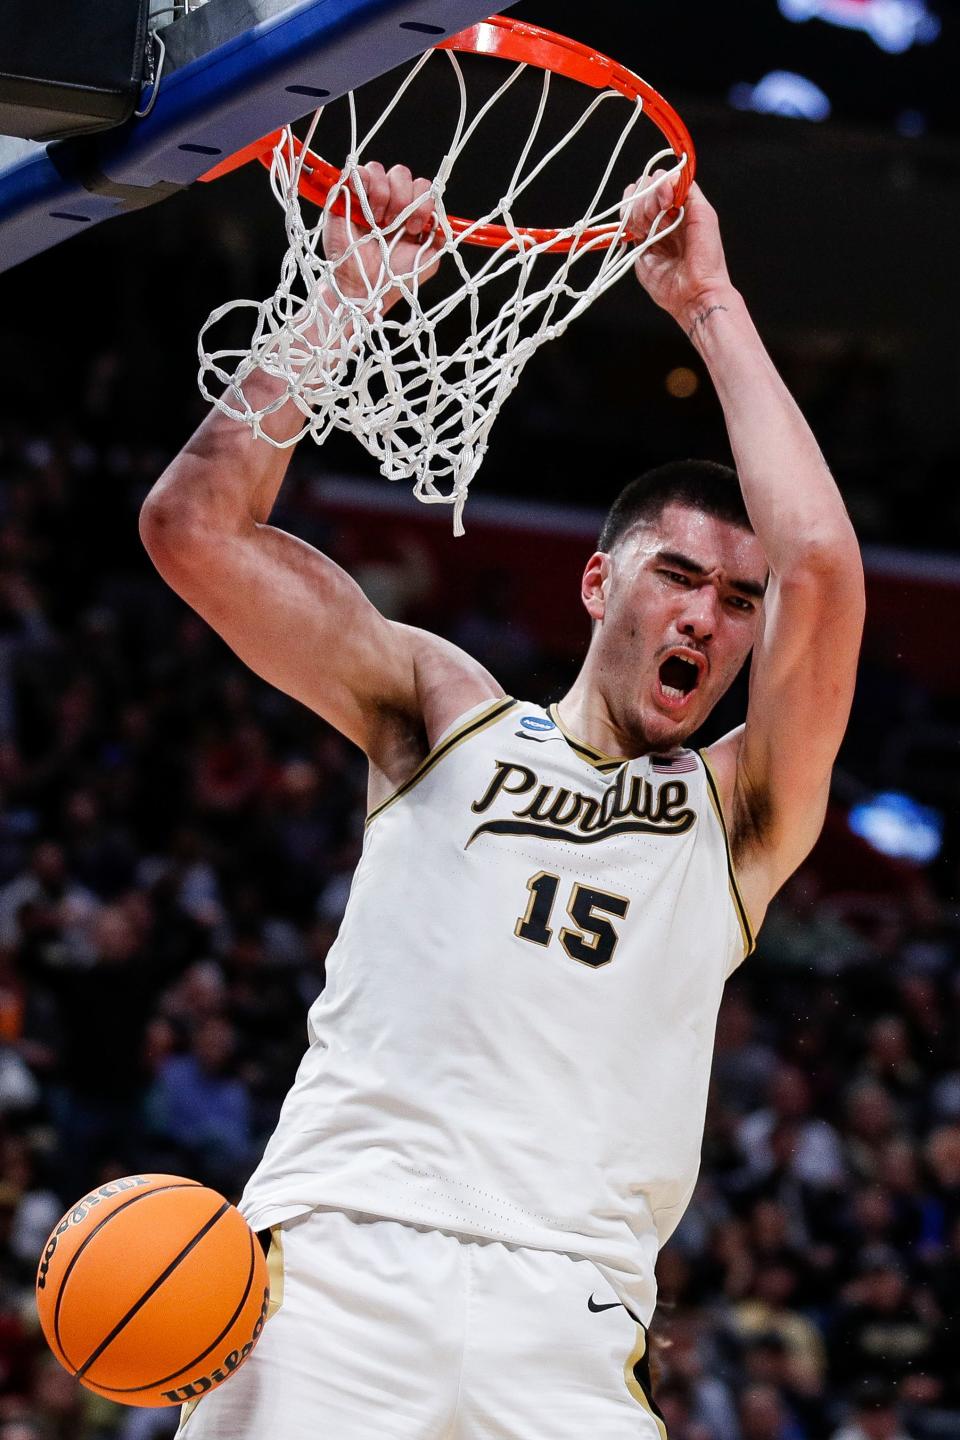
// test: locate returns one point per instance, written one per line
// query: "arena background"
(177, 840)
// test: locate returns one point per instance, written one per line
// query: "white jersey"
(516, 1034)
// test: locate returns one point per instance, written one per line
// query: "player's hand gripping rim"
(684, 268)
(409, 241)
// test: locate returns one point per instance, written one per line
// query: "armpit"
(752, 820)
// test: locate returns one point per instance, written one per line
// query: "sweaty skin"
(646, 604)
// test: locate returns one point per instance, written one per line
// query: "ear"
(593, 586)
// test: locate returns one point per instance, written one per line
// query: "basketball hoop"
(425, 413)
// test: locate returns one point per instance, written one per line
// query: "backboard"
(232, 70)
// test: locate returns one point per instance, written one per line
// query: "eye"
(739, 603)
(676, 576)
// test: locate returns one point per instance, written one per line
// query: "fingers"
(647, 199)
(376, 187)
(404, 192)
(401, 190)
(420, 220)
(390, 192)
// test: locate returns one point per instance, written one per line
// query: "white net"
(421, 384)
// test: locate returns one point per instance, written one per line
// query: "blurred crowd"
(176, 847)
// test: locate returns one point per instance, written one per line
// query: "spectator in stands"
(816, 1159)
(104, 1009)
(874, 1414)
(46, 905)
(890, 1061)
(707, 1400)
(675, 1404)
(943, 1158)
(908, 1191)
(59, 1408)
(881, 1331)
(200, 1105)
(768, 1360)
(871, 1121)
(35, 1206)
(744, 1062)
(764, 1417)
(770, 1310)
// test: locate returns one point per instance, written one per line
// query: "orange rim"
(515, 40)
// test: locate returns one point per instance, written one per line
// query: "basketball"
(152, 1290)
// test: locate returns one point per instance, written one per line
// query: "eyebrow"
(684, 562)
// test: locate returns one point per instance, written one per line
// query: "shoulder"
(448, 684)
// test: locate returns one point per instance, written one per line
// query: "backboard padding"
(235, 70)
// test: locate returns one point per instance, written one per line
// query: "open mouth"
(678, 678)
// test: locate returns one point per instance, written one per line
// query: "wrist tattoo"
(703, 317)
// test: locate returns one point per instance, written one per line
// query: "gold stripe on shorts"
(636, 1372)
(275, 1271)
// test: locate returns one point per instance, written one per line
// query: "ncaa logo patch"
(536, 722)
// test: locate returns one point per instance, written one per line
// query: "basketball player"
(498, 1120)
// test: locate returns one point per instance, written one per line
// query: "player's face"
(680, 608)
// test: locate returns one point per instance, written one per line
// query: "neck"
(585, 713)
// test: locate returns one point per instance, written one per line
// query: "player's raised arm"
(289, 612)
(774, 772)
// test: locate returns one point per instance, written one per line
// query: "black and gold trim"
(596, 758)
(488, 716)
(574, 837)
(749, 939)
(636, 1372)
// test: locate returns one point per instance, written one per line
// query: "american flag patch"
(679, 764)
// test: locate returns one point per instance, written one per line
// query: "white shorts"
(387, 1331)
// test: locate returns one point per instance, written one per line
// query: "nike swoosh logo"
(591, 1305)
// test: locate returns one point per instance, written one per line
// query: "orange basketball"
(152, 1290)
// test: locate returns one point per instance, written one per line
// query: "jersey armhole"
(740, 909)
(471, 722)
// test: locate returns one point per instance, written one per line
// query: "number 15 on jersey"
(592, 939)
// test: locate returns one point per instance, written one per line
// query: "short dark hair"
(701, 484)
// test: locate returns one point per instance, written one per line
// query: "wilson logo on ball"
(152, 1289)
(79, 1213)
(230, 1362)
